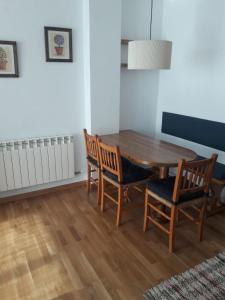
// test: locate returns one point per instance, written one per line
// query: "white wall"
(139, 89)
(47, 98)
(195, 84)
(105, 32)
(56, 98)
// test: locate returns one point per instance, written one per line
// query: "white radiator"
(35, 161)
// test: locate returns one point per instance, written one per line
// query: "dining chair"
(93, 166)
(188, 189)
(119, 172)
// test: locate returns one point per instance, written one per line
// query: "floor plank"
(60, 246)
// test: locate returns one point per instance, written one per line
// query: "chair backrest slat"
(91, 143)
(193, 177)
(110, 159)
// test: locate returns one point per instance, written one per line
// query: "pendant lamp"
(149, 54)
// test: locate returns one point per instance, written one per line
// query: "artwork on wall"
(8, 59)
(58, 44)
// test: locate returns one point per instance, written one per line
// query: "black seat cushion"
(93, 161)
(219, 169)
(131, 173)
(164, 189)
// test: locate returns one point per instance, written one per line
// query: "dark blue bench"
(201, 131)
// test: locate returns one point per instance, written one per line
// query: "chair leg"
(172, 228)
(89, 178)
(202, 220)
(120, 206)
(145, 227)
(99, 187)
(102, 194)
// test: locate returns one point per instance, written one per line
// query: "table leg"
(163, 172)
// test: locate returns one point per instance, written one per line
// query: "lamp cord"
(151, 19)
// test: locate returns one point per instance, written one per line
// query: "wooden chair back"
(110, 159)
(193, 177)
(91, 143)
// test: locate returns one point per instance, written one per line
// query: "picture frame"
(58, 44)
(8, 59)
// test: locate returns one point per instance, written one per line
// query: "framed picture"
(58, 44)
(8, 59)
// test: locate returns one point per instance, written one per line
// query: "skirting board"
(77, 178)
(42, 192)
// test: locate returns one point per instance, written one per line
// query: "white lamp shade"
(149, 55)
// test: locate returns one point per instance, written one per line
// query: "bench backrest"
(200, 131)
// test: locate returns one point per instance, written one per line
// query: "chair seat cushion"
(131, 173)
(219, 170)
(164, 189)
(93, 161)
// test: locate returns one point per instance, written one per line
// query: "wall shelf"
(124, 42)
(124, 65)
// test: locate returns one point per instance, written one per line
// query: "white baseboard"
(77, 178)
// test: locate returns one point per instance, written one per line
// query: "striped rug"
(204, 282)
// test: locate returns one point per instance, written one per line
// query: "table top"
(147, 150)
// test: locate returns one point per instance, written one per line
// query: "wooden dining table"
(149, 151)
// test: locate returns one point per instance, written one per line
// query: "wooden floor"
(61, 247)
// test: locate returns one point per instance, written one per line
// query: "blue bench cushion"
(164, 189)
(131, 173)
(219, 170)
